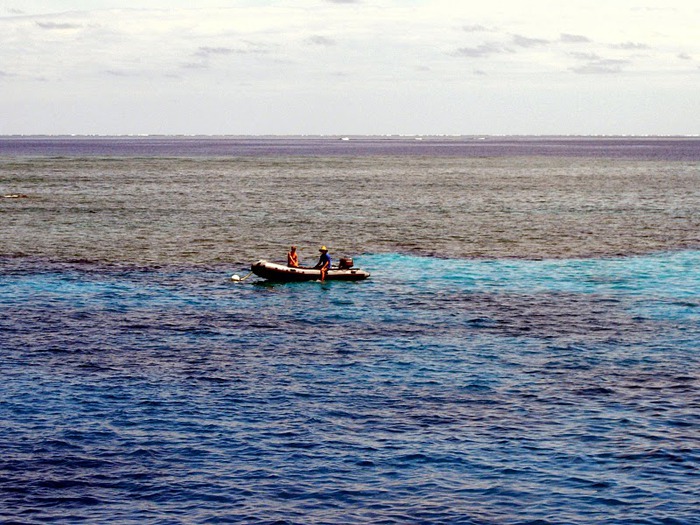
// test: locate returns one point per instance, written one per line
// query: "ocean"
(524, 352)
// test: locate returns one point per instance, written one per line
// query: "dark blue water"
(651, 148)
(525, 352)
(439, 391)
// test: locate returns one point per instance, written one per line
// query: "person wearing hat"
(324, 262)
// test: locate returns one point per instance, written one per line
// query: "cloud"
(594, 64)
(589, 57)
(205, 57)
(121, 74)
(319, 40)
(523, 41)
(476, 28)
(209, 51)
(195, 65)
(483, 50)
(251, 52)
(496, 48)
(573, 39)
(58, 25)
(247, 48)
(602, 66)
(630, 46)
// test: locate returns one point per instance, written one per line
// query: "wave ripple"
(439, 391)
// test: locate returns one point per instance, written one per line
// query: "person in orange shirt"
(293, 257)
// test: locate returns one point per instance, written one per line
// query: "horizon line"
(347, 136)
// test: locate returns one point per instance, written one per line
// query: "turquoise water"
(439, 391)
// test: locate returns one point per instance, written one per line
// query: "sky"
(373, 67)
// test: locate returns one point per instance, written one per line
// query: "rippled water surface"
(526, 350)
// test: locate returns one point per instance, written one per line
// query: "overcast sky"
(350, 67)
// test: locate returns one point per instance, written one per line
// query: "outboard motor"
(345, 263)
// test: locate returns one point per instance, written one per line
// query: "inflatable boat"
(283, 273)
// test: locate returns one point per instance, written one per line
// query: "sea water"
(525, 351)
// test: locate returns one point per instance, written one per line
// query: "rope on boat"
(237, 278)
